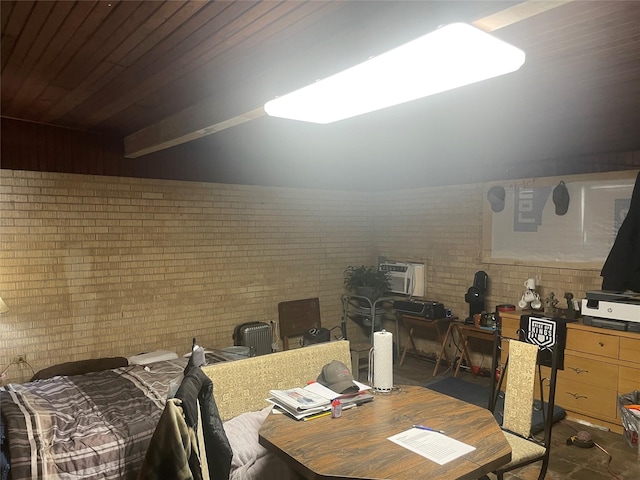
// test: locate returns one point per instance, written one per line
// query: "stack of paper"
(315, 398)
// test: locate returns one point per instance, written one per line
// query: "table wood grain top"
(356, 446)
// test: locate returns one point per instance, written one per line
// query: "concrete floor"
(568, 462)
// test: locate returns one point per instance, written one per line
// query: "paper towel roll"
(382, 361)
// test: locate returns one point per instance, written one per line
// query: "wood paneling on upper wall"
(165, 71)
(38, 147)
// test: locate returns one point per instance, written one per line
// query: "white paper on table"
(432, 445)
(329, 394)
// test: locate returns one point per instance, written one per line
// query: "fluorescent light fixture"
(449, 57)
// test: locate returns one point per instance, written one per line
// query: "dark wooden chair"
(296, 317)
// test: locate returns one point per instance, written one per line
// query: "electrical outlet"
(21, 358)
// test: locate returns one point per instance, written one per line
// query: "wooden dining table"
(356, 445)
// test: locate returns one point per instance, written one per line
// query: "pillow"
(251, 461)
(81, 367)
(242, 432)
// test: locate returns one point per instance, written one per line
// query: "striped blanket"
(92, 426)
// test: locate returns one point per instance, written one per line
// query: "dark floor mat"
(479, 395)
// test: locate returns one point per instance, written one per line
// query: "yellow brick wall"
(442, 227)
(95, 266)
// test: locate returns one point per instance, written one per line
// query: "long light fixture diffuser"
(449, 57)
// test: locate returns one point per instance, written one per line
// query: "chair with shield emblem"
(530, 386)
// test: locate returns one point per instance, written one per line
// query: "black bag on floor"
(316, 335)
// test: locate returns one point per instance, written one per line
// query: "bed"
(99, 425)
(94, 425)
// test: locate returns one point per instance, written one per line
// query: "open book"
(300, 399)
(316, 398)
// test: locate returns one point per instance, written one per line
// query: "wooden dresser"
(599, 365)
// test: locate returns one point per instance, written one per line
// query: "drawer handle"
(601, 344)
(577, 396)
(579, 370)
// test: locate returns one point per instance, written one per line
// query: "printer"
(615, 310)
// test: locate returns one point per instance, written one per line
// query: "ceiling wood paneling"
(159, 73)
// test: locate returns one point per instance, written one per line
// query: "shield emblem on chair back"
(541, 332)
(544, 332)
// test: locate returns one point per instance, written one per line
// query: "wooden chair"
(522, 397)
(296, 317)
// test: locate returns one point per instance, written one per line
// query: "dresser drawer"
(587, 399)
(630, 349)
(510, 326)
(628, 379)
(584, 370)
(594, 343)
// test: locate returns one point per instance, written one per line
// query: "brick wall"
(442, 227)
(96, 266)
(100, 266)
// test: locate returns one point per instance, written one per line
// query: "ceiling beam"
(210, 117)
(516, 13)
(183, 127)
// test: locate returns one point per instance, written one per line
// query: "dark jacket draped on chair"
(175, 452)
(621, 270)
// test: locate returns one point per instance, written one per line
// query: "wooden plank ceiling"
(157, 73)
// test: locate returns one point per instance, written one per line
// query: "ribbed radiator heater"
(255, 335)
